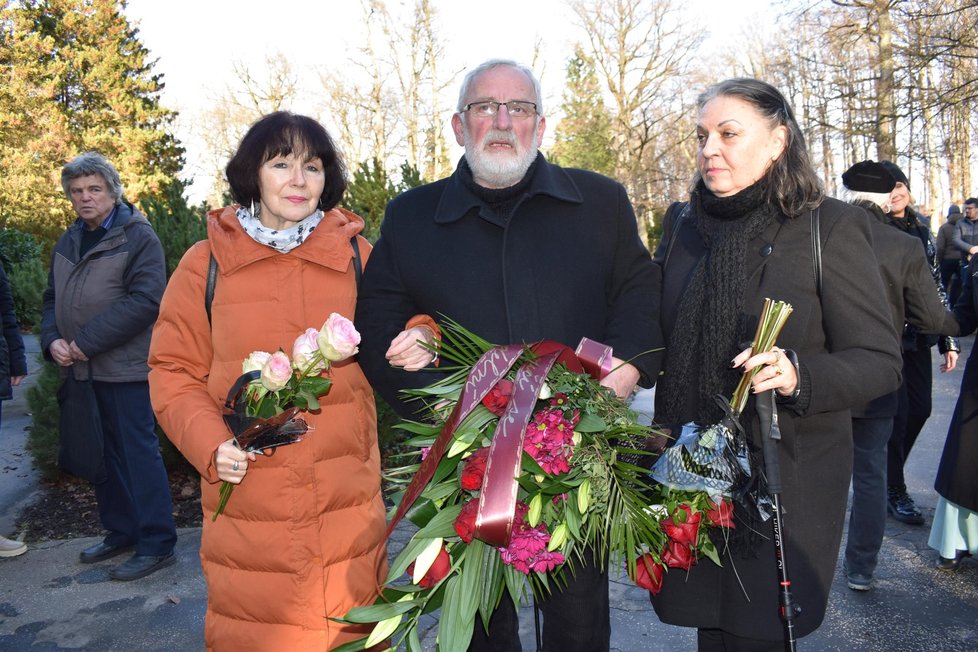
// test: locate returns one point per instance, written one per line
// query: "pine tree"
(370, 190)
(75, 77)
(583, 137)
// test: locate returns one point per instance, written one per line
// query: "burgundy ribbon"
(497, 500)
(489, 370)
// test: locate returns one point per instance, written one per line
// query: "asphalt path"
(48, 601)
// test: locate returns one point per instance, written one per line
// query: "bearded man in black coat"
(517, 250)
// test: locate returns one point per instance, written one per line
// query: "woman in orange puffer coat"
(302, 537)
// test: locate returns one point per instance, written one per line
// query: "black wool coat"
(567, 264)
(848, 355)
(910, 292)
(957, 475)
(13, 359)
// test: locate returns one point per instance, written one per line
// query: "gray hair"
(495, 63)
(794, 184)
(90, 163)
(881, 199)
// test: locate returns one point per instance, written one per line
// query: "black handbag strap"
(674, 232)
(212, 275)
(817, 253)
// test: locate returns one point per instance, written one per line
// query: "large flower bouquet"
(263, 405)
(530, 467)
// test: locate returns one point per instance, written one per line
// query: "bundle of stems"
(771, 321)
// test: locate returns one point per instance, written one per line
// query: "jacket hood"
(328, 245)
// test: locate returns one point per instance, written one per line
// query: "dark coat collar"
(552, 180)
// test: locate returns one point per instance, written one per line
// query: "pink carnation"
(527, 549)
(550, 440)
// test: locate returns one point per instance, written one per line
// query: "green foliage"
(370, 190)
(42, 440)
(177, 224)
(21, 258)
(583, 137)
(27, 283)
(75, 77)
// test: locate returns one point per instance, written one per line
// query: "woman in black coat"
(747, 236)
(13, 368)
(954, 532)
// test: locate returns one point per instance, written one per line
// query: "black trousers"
(912, 412)
(718, 640)
(575, 619)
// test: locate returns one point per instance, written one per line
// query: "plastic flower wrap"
(529, 466)
(716, 458)
(263, 405)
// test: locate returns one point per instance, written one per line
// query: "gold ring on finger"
(778, 370)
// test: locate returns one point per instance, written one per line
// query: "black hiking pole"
(768, 413)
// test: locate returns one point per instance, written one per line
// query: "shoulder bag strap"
(674, 233)
(209, 290)
(357, 261)
(817, 253)
(212, 275)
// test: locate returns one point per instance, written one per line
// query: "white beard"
(498, 170)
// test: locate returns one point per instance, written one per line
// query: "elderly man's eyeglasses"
(489, 108)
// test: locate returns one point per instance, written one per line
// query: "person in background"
(13, 369)
(915, 391)
(913, 299)
(103, 295)
(954, 531)
(747, 236)
(950, 258)
(302, 538)
(515, 249)
(965, 234)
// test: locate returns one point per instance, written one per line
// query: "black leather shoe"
(901, 507)
(140, 566)
(101, 551)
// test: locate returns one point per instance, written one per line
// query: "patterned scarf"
(281, 240)
(711, 324)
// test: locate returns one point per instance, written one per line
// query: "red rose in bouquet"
(678, 555)
(498, 397)
(684, 526)
(465, 522)
(720, 514)
(436, 572)
(475, 469)
(648, 573)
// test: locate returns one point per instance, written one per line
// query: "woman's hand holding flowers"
(775, 371)
(231, 462)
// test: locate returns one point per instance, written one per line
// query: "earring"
(320, 202)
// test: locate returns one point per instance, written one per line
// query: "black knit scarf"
(711, 323)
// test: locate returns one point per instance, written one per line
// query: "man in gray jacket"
(104, 287)
(965, 235)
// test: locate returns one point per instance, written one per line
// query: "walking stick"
(768, 413)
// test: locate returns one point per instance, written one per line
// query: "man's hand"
(77, 354)
(61, 352)
(622, 378)
(407, 353)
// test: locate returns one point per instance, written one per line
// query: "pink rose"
(338, 339)
(305, 353)
(277, 371)
(255, 361)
